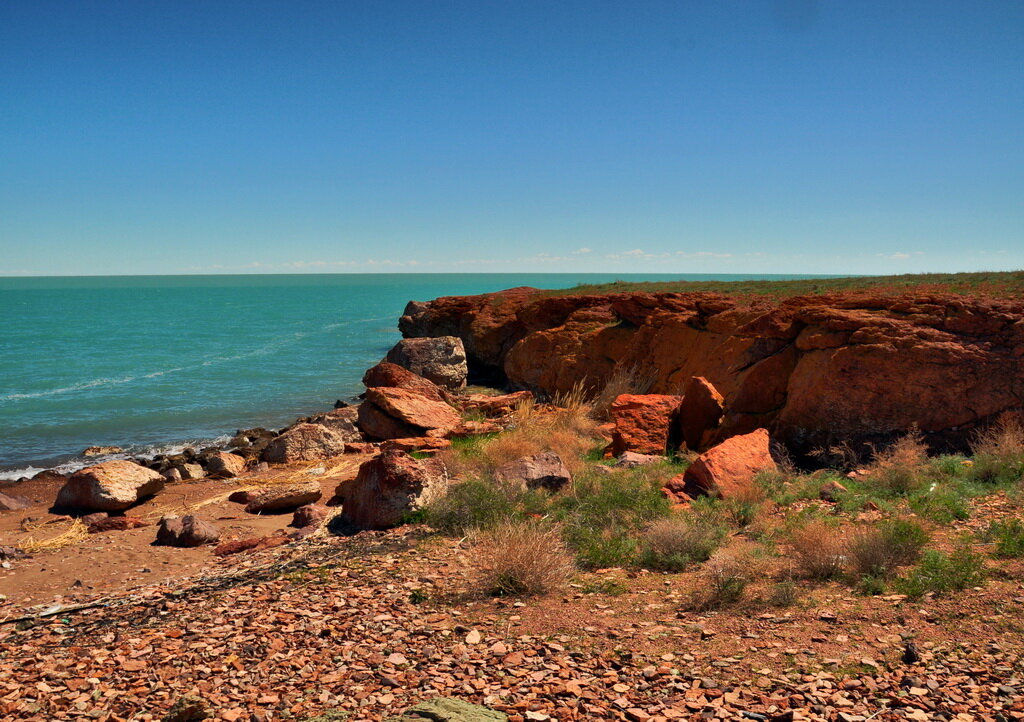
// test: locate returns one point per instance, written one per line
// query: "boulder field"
(814, 370)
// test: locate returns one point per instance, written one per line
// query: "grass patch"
(938, 573)
(1008, 537)
(674, 543)
(818, 550)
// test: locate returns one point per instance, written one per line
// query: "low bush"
(939, 573)
(782, 594)
(743, 505)
(877, 551)
(902, 467)
(1008, 536)
(622, 380)
(725, 578)
(818, 550)
(942, 503)
(676, 542)
(998, 453)
(522, 558)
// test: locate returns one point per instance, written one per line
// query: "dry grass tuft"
(726, 577)
(819, 551)
(623, 380)
(900, 469)
(999, 452)
(522, 559)
(75, 533)
(676, 542)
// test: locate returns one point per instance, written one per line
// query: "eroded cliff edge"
(816, 370)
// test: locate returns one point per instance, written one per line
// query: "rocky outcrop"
(412, 411)
(185, 531)
(814, 370)
(698, 416)
(641, 422)
(540, 471)
(441, 359)
(304, 442)
(728, 470)
(387, 489)
(250, 443)
(110, 486)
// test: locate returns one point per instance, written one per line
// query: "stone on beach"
(309, 515)
(185, 531)
(341, 421)
(388, 488)
(304, 442)
(441, 359)
(12, 502)
(109, 486)
(282, 497)
(224, 465)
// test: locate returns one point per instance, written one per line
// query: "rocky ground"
(372, 623)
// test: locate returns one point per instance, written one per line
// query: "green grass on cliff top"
(1005, 284)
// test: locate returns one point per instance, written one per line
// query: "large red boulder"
(110, 486)
(641, 422)
(699, 413)
(435, 418)
(389, 374)
(304, 442)
(729, 469)
(224, 465)
(388, 488)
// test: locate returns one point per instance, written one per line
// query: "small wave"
(71, 389)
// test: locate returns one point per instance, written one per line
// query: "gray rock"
(631, 459)
(13, 502)
(445, 709)
(441, 359)
(540, 471)
(282, 497)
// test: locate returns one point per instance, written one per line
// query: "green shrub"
(942, 504)
(871, 586)
(939, 573)
(604, 515)
(471, 505)
(1008, 535)
(676, 542)
(877, 551)
(783, 594)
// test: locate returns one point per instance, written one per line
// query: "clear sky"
(792, 136)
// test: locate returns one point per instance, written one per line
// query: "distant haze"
(671, 137)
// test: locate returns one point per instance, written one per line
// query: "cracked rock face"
(813, 370)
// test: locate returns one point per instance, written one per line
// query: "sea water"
(152, 363)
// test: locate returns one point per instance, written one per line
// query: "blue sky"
(792, 136)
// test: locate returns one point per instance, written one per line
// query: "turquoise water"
(150, 362)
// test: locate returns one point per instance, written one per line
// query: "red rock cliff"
(815, 370)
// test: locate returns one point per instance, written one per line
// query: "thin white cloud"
(897, 256)
(581, 251)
